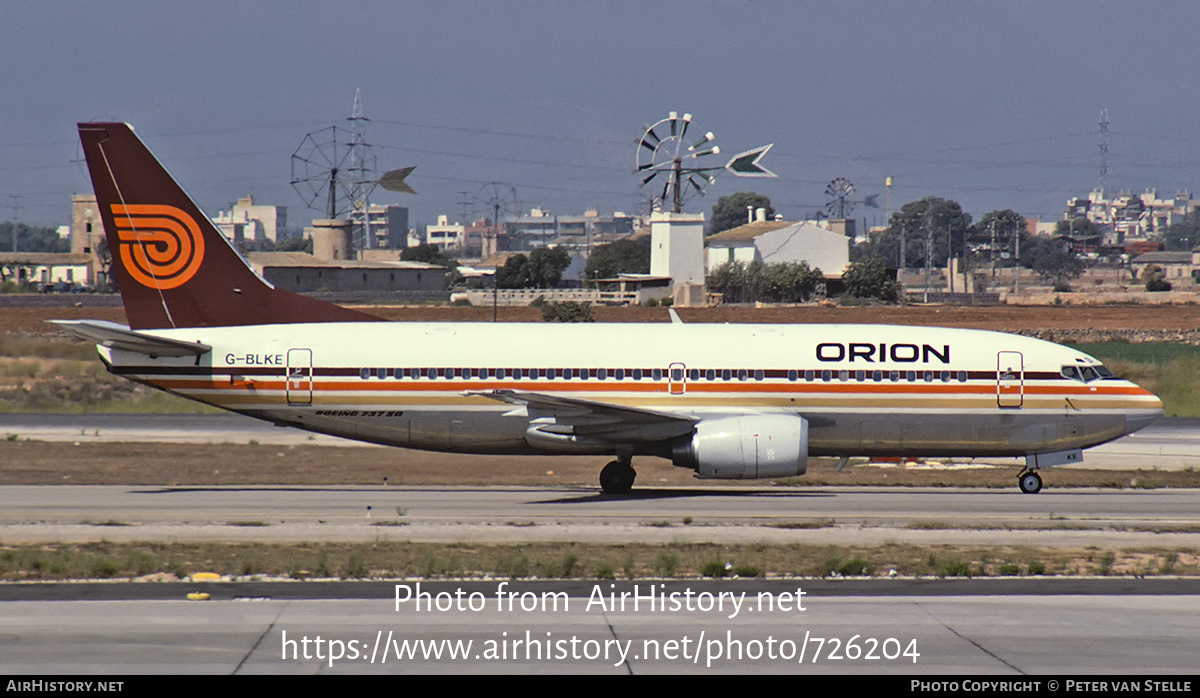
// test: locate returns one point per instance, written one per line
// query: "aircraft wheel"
(1030, 482)
(617, 478)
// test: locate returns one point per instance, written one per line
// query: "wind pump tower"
(334, 169)
(682, 165)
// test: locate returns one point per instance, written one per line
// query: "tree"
(869, 278)
(546, 266)
(730, 211)
(1059, 266)
(1185, 235)
(1002, 226)
(787, 282)
(429, 254)
(32, 239)
(1155, 278)
(941, 220)
(629, 256)
(514, 273)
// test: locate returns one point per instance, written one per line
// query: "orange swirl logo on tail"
(161, 246)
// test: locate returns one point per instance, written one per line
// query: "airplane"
(728, 401)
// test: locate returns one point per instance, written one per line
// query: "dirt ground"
(32, 320)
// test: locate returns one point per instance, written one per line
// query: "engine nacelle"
(746, 448)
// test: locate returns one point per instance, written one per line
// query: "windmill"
(840, 205)
(682, 164)
(334, 169)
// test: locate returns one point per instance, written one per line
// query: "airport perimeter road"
(1028, 631)
(1170, 444)
(1053, 518)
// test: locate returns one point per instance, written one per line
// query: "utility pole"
(928, 244)
(992, 251)
(16, 217)
(1017, 259)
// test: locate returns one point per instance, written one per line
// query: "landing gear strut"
(1029, 482)
(617, 477)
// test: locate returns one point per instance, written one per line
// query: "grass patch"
(401, 559)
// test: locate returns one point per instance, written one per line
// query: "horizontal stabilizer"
(115, 336)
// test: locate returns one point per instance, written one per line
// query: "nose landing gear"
(1029, 482)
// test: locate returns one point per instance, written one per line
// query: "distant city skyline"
(994, 105)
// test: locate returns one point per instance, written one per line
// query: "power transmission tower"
(16, 217)
(1102, 175)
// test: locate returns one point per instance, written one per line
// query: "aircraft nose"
(1143, 418)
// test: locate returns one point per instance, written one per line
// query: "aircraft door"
(677, 378)
(299, 377)
(1010, 379)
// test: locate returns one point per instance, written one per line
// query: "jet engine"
(745, 448)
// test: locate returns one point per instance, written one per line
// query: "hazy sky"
(992, 104)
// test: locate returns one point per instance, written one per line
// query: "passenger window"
(656, 374)
(809, 374)
(694, 374)
(792, 375)
(962, 376)
(620, 374)
(677, 374)
(432, 373)
(945, 376)
(876, 376)
(894, 376)
(726, 374)
(602, 373)
(860, 375)
(364, 373)
(533, 373)
(414, 373)
(910, 376)
(637, 374)
(741, 374)
(585, 373)
(826, 375)
(710, 374)
(843, 375)
(568, 373)
(929, 376)
(397, 373)
(500, 373)
(758, 374)
(517, 373)
(551, 373)
(483, 373)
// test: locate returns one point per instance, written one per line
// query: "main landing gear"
(617, 477)
(1029, 482)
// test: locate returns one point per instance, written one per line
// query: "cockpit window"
(1086, 374)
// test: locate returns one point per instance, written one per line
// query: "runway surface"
(1053, 518)
(1028, 631)
(1169, 444)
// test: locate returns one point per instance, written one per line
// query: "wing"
(115, 336)
(597, 420)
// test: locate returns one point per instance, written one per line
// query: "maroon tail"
(174, 267)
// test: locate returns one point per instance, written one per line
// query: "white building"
(774, 242)
(444, 235)
(251, 223)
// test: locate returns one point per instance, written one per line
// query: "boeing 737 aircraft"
(727, 401)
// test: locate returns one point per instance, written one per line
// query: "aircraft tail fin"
(174, 268)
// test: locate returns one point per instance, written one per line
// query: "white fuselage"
(864, 389)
